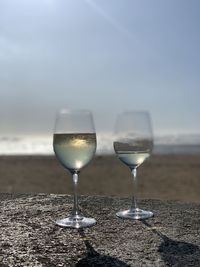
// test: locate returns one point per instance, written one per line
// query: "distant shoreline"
(177, 149)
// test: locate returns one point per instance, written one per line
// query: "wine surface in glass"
(74, 150)
(134, 153)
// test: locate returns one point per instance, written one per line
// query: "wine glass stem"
(134, 197)
(75, 185)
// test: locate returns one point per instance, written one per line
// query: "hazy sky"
(103, 55)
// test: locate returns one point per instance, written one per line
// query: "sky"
(104, 55)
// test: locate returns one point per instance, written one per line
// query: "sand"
(175, 177)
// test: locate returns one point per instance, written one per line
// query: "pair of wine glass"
(74, 145)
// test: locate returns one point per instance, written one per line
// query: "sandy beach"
(174, 177)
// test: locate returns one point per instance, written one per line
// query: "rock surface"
(29, 236)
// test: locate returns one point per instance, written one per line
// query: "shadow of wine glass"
(93, 258)
(176, 253)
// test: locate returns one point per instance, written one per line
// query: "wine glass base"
(72, 222)
(134, 214)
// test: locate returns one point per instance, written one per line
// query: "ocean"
(42, 145)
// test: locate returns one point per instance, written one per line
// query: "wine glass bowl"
(74, 150)
(133, 144)
(74, 144)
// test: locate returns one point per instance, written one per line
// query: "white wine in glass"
(133, 145)
(74, 143)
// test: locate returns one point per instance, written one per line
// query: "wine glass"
(133, 144)
(74, 144)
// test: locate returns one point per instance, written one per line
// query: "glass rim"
(73, 111)
(130, 111)
(134, 112)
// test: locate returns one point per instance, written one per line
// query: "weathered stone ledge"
(29, 236)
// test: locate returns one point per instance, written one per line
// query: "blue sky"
(107, 56)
